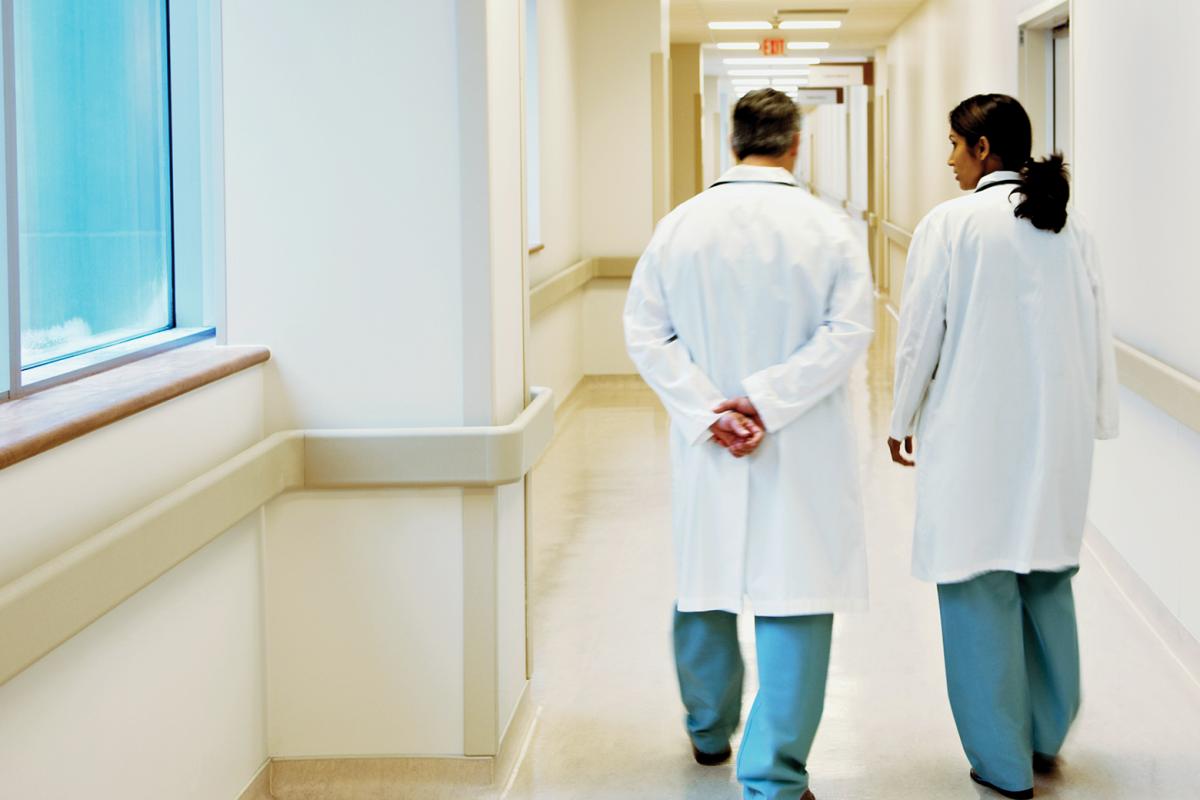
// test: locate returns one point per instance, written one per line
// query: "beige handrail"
(50, 604)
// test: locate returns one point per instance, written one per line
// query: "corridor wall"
(164, 695)
(615, 125)
(329, 261)
(1135, 193)
(374, 243)
(556, 337)
(598, 165)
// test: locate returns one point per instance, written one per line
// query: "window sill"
(46, 419)
(76, 367)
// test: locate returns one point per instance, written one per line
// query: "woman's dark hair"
(1045, 183)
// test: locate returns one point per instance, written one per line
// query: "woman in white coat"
(1005, 374)
(755, 296)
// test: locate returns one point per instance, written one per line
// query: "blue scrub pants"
(1012, 669)
(793, 663)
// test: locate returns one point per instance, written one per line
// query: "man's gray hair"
(764, 123)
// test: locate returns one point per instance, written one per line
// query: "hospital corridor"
(599, 400)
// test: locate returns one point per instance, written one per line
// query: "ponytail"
(1045, 184)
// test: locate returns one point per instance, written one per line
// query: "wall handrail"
(558, 287)
(48, 605)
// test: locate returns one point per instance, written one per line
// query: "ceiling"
(867, 25)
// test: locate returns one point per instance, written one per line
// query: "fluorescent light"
(740, 26)
(789, 82)
(768, 73)
(810, 25)
(771, 62)
(848, 59)
(764, 83)
(808, 46)
(737, 45)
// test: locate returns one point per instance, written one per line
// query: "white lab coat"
(1005, 372)
(758, 289)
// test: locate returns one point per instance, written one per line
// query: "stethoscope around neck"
(1009, 181)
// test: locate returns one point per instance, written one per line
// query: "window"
(91, 180)
(533, 169)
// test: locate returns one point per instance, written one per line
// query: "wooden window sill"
(38, 422)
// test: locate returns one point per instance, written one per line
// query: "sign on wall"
(836, 75)
(819, 97)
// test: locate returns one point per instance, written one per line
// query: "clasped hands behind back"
(739, 429)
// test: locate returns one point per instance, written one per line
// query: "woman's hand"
(895, 446)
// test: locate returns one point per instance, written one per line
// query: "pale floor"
(609, 720)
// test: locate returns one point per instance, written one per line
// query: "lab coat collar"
(748, 173)
(995, 177)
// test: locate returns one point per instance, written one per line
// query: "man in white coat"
(745, 314)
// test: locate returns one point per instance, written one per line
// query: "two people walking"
(746, 314)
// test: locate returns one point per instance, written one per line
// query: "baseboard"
(1166, 626)
(514, 737)
(393, 778)
(570, 403)
(259, 787)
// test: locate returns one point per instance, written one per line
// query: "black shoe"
(1044, 764)
(711, 759)
(1023, 794)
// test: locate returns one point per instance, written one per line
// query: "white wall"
(164, 695)
(559, 139)
(354, 281)
(510, 290)
(345, 256)
(710, 129)
(378, 576)
(357, 283)
(350, 188)
(1140, 205)
(945, 52)
(616, 167)
(604, 345)
(556, 347)
(112, 472)
(597, 179)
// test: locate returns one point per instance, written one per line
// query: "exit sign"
(773, 47)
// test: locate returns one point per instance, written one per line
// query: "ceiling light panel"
(771, 62)
(768, 73)
(808, 45)
(737, 45)
(741, 26)
(810, 25)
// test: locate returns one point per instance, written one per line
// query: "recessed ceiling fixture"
(769, 73)
(771, 62)
(808, 46)
(737, 45)
(810, 25)
(755, 25)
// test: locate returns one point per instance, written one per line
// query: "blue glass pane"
(93, 173)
